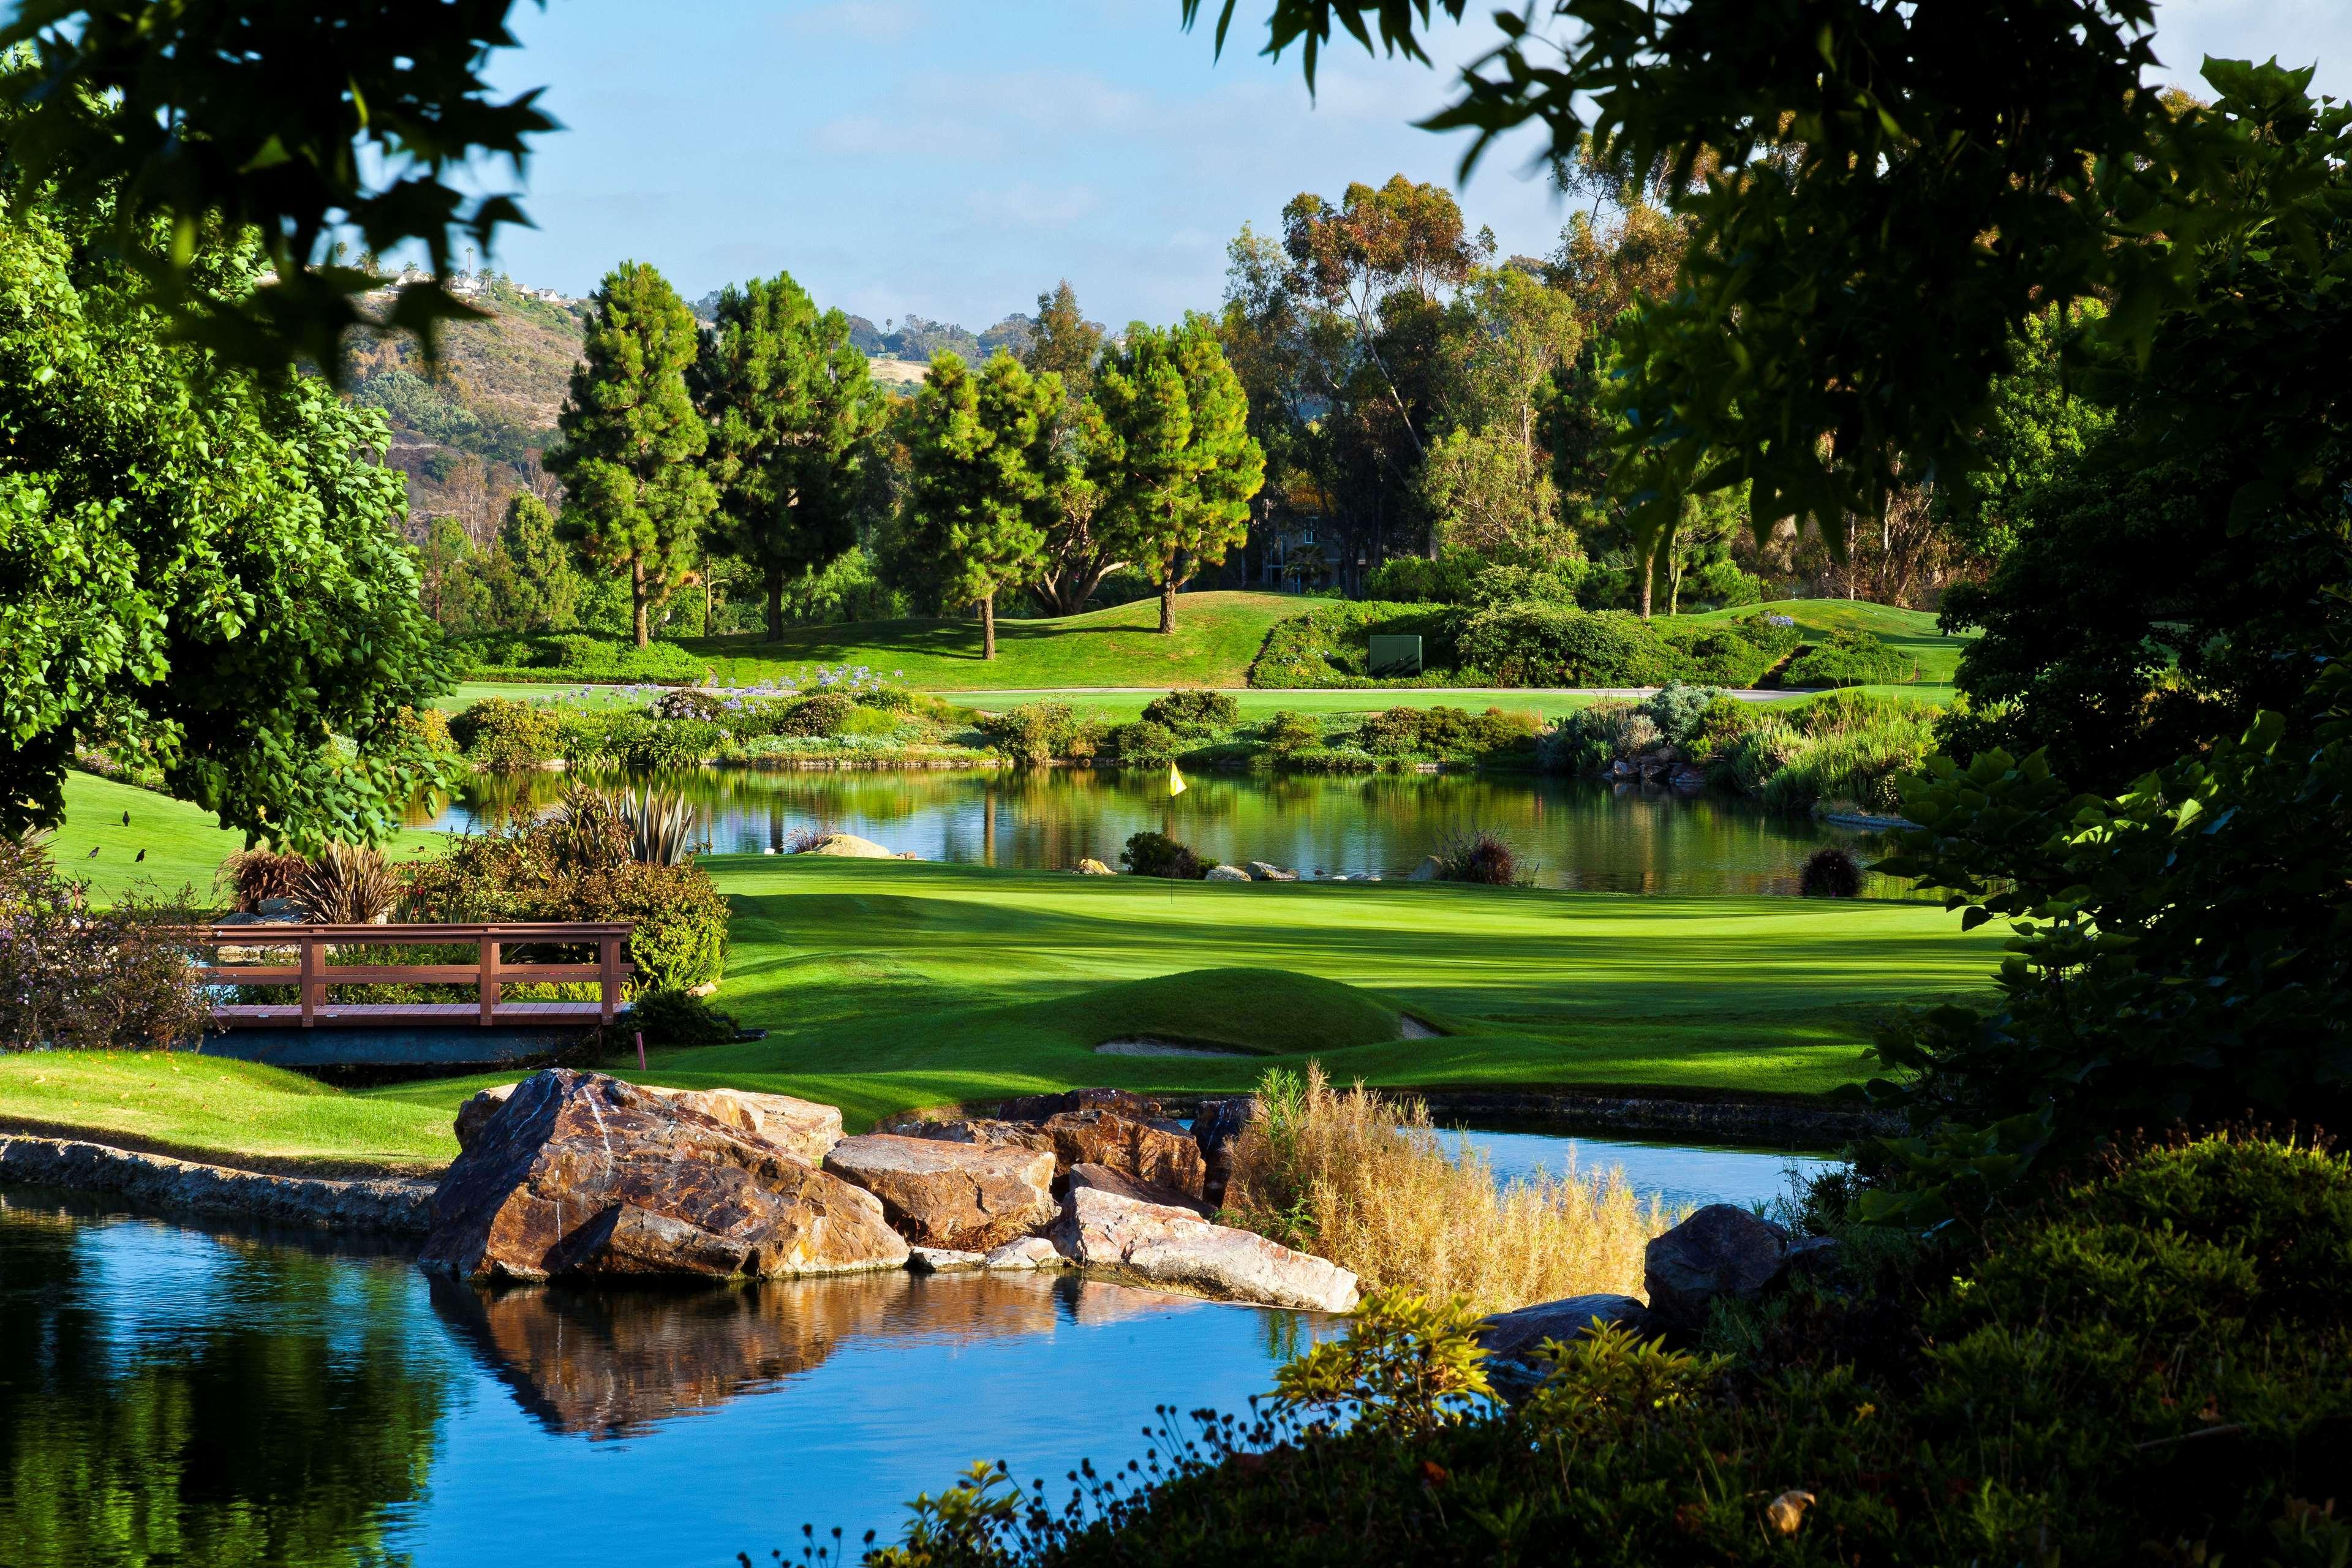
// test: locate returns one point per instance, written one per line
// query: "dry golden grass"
(1367, 1181)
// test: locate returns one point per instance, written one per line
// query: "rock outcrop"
(1225, 874)
(1090, 867)
(1103, 1179)
(1170, 1247)
(583, 1174)
(981, 1131)
(1029, 1252)
(937, 1194)
(800, 1127)
(1512, 1339)
(1267, 871)
(1721, 1252)
(1216, 1124)
(1158, 1152)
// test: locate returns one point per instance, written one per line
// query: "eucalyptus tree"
(794, 415)
(635, 498)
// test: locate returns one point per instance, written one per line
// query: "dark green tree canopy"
(794, 417)
(981, 452)
(637, 498)
(202, 568)
(304, 123)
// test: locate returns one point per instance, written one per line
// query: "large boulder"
(1158, 1152)
(849, 847)
(1163, 1246)
(1511, 1339)
(1090, 867)
(1217, 1124)
(983, 1131)
(1102, 1178)
(1225, 874)
(801, 1127)
(1039, 1107)
(965, 1196)
(583, 1174)
(1722, 1252)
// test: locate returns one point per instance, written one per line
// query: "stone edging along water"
(384, 1204)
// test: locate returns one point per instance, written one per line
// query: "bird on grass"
(126, 819)
(140, 855)
(93, 853)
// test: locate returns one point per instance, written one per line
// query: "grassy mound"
(221, 1111)
(1912, 634)
(1267, 1011)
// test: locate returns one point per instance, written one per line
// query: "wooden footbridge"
(304, 957)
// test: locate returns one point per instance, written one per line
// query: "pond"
(1572, 833)
(210, 1395)
(1679, 1175)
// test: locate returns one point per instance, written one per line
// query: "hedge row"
(1531, 643)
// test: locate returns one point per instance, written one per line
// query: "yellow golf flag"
(1175, 781)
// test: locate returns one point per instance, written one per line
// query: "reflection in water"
(171, 1395)
(1577, 833)
(206, 1396)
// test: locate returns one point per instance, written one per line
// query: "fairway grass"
(1912, 631)
(886, 985)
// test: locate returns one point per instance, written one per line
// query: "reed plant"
(1369, 1182)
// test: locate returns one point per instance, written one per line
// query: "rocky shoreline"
(383, 1205)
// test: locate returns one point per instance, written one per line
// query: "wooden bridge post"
(608, 974)
(314, 987)
(489, 950)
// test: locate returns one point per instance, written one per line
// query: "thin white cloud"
(925, 137)
(873, 21)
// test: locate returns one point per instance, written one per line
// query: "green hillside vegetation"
(1910, 632)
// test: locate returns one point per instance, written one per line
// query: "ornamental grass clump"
(1368, 1182)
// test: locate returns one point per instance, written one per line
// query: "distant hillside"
(468, 433)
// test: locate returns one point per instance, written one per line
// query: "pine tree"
(794, 413)
(981, 457)
(533, 585)
(1171, 450)
(1065, 342)
(635, 497)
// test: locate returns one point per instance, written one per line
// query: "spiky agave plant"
(346, 884)
(590, 831)
(661, 828)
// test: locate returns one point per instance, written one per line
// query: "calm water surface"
(1679, 1175)
(1573, 832)
(209, 1396)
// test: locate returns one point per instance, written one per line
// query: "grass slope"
(1216, 636)
(207, 1108)
(1913, 631)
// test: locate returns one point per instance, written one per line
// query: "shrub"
(1417, 580)
(1678, 710)
(1366, 1181)
(1830, 872)
(428, 726)
(1192, 712)
(1482, 858)
(680, 920)
(1033, 733)
(1729, 653)
(819, 713)
(1720, 724)
(632, 740)
(1285, 735)
(78, 978)
(679, 1018)
(1589, 739)
(1850, 657)
(503, 735)
(1157, 855)
(1556, 645)
(1142, 743)
(1394, 733)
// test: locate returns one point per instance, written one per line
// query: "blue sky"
(952, 159)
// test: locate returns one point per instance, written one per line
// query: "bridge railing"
(488, 973)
